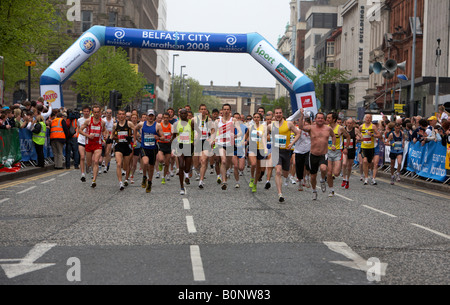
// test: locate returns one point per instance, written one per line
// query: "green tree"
(29, 29)
(326, 76)
(190, 92)
(283, 102)
(108, 69)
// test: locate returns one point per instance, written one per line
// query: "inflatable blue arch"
(300, 87)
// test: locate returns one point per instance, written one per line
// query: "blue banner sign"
(428, 161)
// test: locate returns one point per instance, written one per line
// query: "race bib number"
(122, 135)
(185, 138)
(280, 141)
(149, 140)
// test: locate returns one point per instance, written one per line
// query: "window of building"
(330, 48)
(112, 19)
(317, 38)
(86, 20)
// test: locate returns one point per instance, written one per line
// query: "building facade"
(244, 100)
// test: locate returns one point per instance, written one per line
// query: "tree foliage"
(108, 69)
(29, 29)
(189, 91)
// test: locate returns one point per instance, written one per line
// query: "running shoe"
(94, 184)
(252, 182)
(163, 181)
(149, 187)
(344, 183)
(187, 181)
(347, 184)
(300, 187)
(121, 187)
(398, 177)
(254, 188)
(219, 180)
(132, 179)
(144, 182)
(83, 178)
(307, 183)
(323, 186)
(374, 182)
(157, 175)
(280, 198)
(314, 196)
(237, 186)
(392, 179)
(366, 181)
(182, 191)
(125, 183)
(224, 186)
(267, 186)
(200, 184)
(331, 194)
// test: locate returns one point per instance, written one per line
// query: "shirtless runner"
(320, 133)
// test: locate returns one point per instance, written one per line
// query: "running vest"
(397, 143)
(225, 130)
(167, 131)
(256, 135)
(203, 126)
(96, 130)
(148, 139)
(39, 138)
(123, 133)
(338, 139)
(352, 134)
(367, 141)
(185, 133)
(281, 135)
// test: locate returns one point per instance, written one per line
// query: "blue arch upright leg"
(300, 87)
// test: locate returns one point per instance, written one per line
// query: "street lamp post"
(181, 75)
(438, 58)
(173, 77)
(413, 64)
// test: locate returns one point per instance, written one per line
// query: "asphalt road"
(54, 229)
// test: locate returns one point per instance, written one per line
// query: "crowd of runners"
(303, 150)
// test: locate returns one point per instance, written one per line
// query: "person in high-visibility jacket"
(58, 133)
(39, 140)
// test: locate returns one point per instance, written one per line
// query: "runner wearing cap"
(150, 133)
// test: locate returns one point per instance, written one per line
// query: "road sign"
(398, 106)
(30, 63)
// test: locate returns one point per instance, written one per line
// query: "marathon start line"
(300, 87)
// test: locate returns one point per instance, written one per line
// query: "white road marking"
(343, 197)
(432, 231)
(186, 204)
(45, 182)
(190, 224)
(357, 262)
(63, 174)
(27, 264)
(379, 211)
(197, 265)
(4, 200)
(26, 190)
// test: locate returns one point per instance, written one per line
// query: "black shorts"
(393, 156)
(260, 155)
(186, 150)
(368, 153)
(150, 154)
(166, 148)
(351, 154)
(202, 145)
(124, 149)
(282, 157)
(315, 162)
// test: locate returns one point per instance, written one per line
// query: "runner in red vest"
(95, 128)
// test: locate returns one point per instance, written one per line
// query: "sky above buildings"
(266, 17)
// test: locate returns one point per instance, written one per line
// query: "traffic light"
(115, 100)
(342, 94)
(329, 96)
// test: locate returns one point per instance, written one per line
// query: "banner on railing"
(428, 160)
(447, 163)
(9, 148)
(27, 147)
